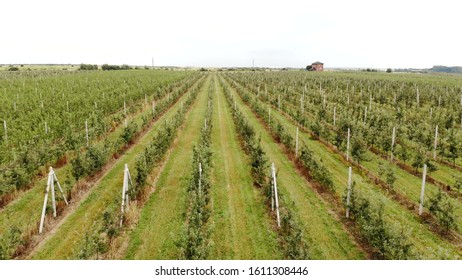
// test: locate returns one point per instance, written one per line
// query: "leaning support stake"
(424, 175)
(127, 181)
(273, 172)
(348, 193)
(50, 185)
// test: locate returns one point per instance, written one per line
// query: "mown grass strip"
(241, 226)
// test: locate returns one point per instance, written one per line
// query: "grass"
(241, 226)
(324, 234)
(161, 224)
(66, 241)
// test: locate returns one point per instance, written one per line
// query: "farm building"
(315, 66)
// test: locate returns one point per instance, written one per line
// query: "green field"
(162, 123)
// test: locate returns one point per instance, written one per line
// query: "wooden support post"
(439, 101)
(200, 179)
(46, 128)
(125, 107)
(273, 171)
(153, 107)
(422, 191)
(51, 186)
(125, 199)
(348, 146)
(42, 219)
(53, 198)
(348, 193)
(431, 112)
(394, 99)
(365, 114)
(436, 142)
(279, 102)
(59, 186)
(296, 143)
(370, 102)
(393, 136)
(269, 116)
(67, 106)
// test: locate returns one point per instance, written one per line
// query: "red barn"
(317, 66)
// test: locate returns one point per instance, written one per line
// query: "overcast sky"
(284, 33)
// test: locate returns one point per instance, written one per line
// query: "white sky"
(284, 33)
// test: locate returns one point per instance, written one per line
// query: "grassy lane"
(426, 244)
(241, 225)
(161, 223)
(66, 241)
(325, 235)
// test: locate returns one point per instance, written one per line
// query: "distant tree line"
(88, 67)
(108, 67)
(13, 68)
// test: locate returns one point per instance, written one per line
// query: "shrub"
(443, 209)
(389, 243)
(458, 183)
(317, 170)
